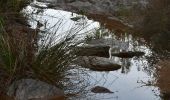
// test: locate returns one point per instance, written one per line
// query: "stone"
(129, 54)
(97, 63)
(100, 89)
(27, 89)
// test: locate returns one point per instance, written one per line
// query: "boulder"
(97, 63)
(93, 50)
(100, 89)
(30, 89)
(129, 54)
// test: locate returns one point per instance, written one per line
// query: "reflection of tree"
(156, 25)
(126, 65)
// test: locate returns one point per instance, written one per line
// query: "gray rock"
(97, 63)
(26, 89)
(100, 89)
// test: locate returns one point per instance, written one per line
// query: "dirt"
(163, 81)
(110, 23)
(5, 97)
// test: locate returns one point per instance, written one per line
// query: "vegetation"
(26, 56)
(12, 5)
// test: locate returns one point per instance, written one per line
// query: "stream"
(133, 81)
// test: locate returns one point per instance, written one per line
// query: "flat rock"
(129, 54)
(97, 63)
(100, 89)
(30, 89)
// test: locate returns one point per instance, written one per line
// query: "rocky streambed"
(116, 67)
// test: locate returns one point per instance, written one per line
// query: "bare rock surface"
(27, 89)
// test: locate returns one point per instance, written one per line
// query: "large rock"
(29, 89)
(97, 63)
(94, 50)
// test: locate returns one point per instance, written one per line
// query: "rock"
(93, 50)
(114, 44)
(27, 89)
(5, 97)
(99, 89)
(97, 63)
(128, 54)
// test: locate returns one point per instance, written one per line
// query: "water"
(128, 83)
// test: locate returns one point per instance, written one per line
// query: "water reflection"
(126, 83)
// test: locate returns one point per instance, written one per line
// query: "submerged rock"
(97, 63)
(128, 54)
(94, 50)
(29, 89)
(99, 89)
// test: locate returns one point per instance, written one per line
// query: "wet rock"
(94, 50)
(99, 89)
(27, 89)
(128, 54)
(97, 63)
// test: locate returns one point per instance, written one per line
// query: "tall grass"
(44, 59)
(13, 57)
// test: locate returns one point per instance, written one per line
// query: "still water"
(128, 83)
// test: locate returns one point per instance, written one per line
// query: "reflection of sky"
(125, 84)
(62, 18)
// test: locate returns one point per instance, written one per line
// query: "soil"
(163, 81)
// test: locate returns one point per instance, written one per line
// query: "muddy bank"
(99, 10)
(163, 82)
(107, 7)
